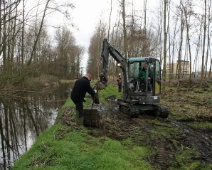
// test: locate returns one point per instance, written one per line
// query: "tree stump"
(92, 118)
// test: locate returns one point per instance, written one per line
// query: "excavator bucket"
(92, 118)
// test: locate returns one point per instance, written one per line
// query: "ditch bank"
(183, 140)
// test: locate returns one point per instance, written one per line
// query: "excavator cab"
(144, 76)
(144, 88)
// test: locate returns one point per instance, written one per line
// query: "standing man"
(79, 90)
(119, 83)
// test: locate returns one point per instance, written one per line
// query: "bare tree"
(67, 52)
(124, 29)
(14, 23)
(164, 44)
(172, 46)
(204, 41)
(187, 14)
(159, 32)
(38, 34)
(210, 69)
(208, 37)
(95, 48)
(9, 30)
(111, 9)
(179, 70)
(198, 43)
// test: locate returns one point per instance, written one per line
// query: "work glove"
(96, 98)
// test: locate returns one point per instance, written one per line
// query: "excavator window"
(137, 83)
(157, 86)
(136, 67)
(134, 70)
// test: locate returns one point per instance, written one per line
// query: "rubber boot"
(80, 117)
(80, 121)
(76, 116)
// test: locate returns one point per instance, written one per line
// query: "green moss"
(201, 125)
(184, 161)
(111, 90)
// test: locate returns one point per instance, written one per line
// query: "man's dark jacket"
(80, 88)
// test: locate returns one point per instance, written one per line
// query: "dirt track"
(174, 142)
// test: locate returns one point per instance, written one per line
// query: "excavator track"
(133, 111)
(161, 111)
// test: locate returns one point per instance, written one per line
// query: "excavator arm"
(109, 50)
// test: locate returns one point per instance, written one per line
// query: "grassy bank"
(182, 141)
(64, 147)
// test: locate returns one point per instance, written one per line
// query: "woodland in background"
(172, 31)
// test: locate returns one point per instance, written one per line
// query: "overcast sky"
(86, 16)
(87, 13)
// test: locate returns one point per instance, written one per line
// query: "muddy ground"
(184, 139)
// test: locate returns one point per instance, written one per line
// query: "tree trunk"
(209, 34)
(124, 29)
(188, 42)
(180, 45)
(164, 45)
(203, 46)
(38, 35)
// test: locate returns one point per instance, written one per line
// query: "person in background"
(119, 83)
(81, 87)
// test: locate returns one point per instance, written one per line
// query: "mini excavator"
(138, 96)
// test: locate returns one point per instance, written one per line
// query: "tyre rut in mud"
(170, 140)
